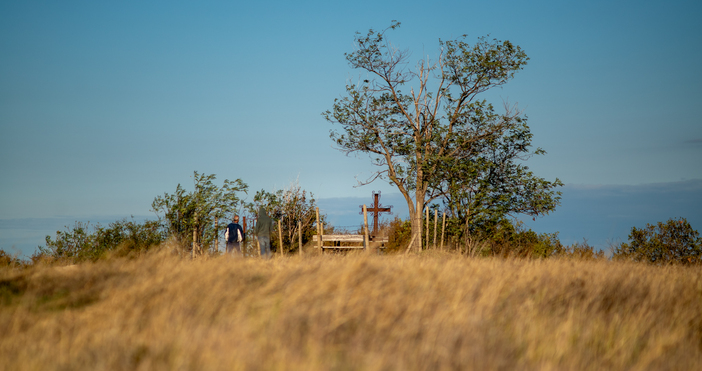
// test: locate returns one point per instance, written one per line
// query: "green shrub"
(581, 251)
(399, 233)
(503, 238)
(121, 238)
(672, 242)
(290, 206)
(511, 239)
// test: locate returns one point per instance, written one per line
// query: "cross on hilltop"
(375, 208)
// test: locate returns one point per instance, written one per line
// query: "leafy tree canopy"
(671, 242)
(192, 213)
(430, 134)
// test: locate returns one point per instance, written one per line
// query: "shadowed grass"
(430, 312)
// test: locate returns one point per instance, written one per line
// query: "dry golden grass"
(429, 312)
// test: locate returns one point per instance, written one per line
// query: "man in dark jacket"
(264, 227)
(234, 236)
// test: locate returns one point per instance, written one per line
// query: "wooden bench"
(337, 239)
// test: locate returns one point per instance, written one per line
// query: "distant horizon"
(599, 214)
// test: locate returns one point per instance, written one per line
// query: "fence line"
(338, 230)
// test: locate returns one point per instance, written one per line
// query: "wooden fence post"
(436, 224)
(467, 236)
(366, 240)
(243, 246)
(258, 244)
(443, 227)
(299, 236)
(194, 238)
(427, 248)
(319, 231)
(280, 238)
(216, 240)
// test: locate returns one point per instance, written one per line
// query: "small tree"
(192, 214)
(672, 242)
(290, 206)
(430, 134)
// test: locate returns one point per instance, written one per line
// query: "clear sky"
(104, 106)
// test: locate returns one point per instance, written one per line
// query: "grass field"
(433, 311)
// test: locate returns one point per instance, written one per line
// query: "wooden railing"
(337, 239)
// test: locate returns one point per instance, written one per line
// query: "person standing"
(263, 229)
(234, 236)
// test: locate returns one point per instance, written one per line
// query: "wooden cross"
(376, 209)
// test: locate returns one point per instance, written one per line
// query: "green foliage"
(582, 251)
(123, 237)
(399, 235)
(433, 138)
(504, 239)
(291, 206)
(672, 242)
(495, 183)
(509, 239)
(188, 212)
(74, 244)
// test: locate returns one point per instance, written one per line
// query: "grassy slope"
(429, 312)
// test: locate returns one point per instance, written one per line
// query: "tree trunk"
(417, 231)
(417, 220)
(427, 223)
(194, 252)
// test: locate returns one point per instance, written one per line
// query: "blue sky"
(104, 106)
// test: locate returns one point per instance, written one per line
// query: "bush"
(511, 239)
(290, 206)
(504, 238)
(672, 242)
(8, 260)
(581, 252)
(399, 234)
(122, 238)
